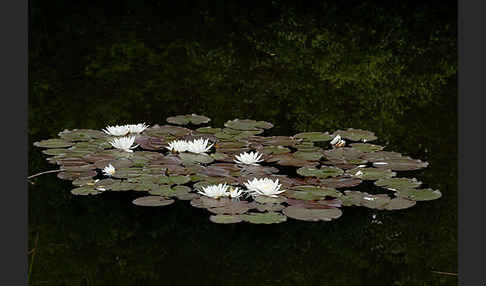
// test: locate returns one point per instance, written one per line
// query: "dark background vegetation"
(385, 66)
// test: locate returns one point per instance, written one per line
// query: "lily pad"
(398, 184)
(186, 119)
(365, 147)
(209, 130)
(308, 156)
(264, 218)
(232, 207)
(206, 202)
(123, 173)
(305, 214)
(269, 200)
(370, 173)
(420, 194)
(269, 207)
(274, 150)
(340, 182)
(55, 151)
(196, 158)
(86, 190)
(152, 201)
(225, 219)
(53, 143)
(323, 172)
(399, 204)
(326, 191)
(75, 175)
(289, 160)
(356, 135)
(81, 134)
(314, 136)
(401, 164)
(247, 124)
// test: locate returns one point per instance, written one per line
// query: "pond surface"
(393, 73)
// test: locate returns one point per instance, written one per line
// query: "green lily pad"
(323, 172)
(205, 202)
(274, 150)
(232, 208)
(398, 184)
(225, 219)
(269, 207)
(299, 213)
(247, 124)
(209, 130)
(400, 164)
(152, 201)
(308, 156)
(196, 158)
(356, 135)
(311, 195)
(355, 198)
(277, 141)
(326, 191)
(264, 218)
(370, 173)
(85, 190)
(380, 156)
(314, 136)
(419, 194)
(75, 175)
(56, 151)
(365, 147)
(399, 204)
(53, 143)
(289, 160)
(269, 200)
(123, 173)
(186, 119)
(81, 134)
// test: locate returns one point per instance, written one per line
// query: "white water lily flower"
(124, 143)
(335, 140)
(117, 130)
(178, 146)
(234, 193)
(109, 170)
(359, 173)
(199, 146)
(214, 191)
(251, 158)
(137, 128)
(264, 187)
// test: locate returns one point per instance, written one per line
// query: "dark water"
(391, 70)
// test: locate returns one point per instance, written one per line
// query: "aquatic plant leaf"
(365, 147)
(269, 200)
(264, 218)
(399, 204)
(231, 144)
(318, 204)
(340, 182)
(289, 160)
(355, 198)
(206, 202)
(308, 156)
(196, 158)
(53, 143)
(314, 136)
(152, 201)
(400, 164)
(380, 156)
(323, 172)
(117, 163)
(210, 130)
(56, 151)
(179, 180)
(85, 190)
(300, 213)
(311, 195)
(123, 173)
(356, 134)
(81, 134)
(186, 119)
(166, 130)
(121, 186)
(398, 184)
(269, 207)
(225, 219)
(162, 190)
(419, 194)
(370, 173)
(330, 192)
(274, 150)
(218, 156)
(232, 207)
(247, 124)
(75, 175)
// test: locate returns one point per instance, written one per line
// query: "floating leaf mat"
(324, 180)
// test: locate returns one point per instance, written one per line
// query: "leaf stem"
(46, 172)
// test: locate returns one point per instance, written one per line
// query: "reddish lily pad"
(323, 172)
(53, 143)
(248, 124)
(152, 201)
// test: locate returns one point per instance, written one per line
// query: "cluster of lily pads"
(235, 172)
